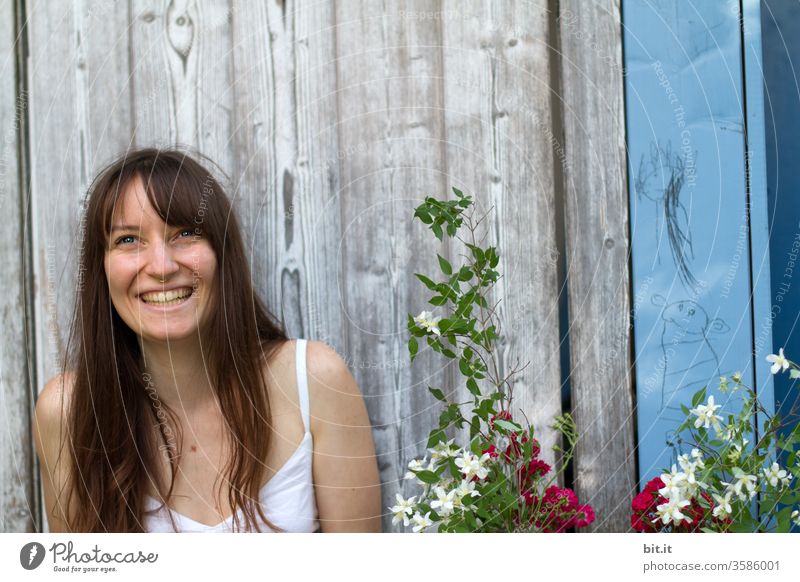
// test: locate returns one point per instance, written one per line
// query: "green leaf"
(465, 274)
(438, 300)
(446, 268)
(428, 283)
(474, 427)
(511, 426)
(428, 477)
(491, 256)
(437, 436)
(449, 353)
(472, 386)
(438, 394)
(413, 346)
(477, 252)
(423, 215)
(699, 397)
(463, 365)
(437, 230)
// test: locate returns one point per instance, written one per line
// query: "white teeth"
(166, 297)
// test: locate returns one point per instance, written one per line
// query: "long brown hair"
(111, 419)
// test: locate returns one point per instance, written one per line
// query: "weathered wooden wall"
(596, 221)
(332, 122)
(18, 510)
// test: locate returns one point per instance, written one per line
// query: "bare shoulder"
(346, 478)
(49, 435)
(334, 393)
(53, 402)
(323, 361)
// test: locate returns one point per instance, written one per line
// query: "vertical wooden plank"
(286, 163)
(390, 140)
(501, 148)
(597, 247)
(215, 82)
(55, 159)
(18, 500)
(165, 44)
(79, 118)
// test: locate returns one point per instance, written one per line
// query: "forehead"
(133, 205)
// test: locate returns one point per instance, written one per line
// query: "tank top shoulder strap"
(302, 380)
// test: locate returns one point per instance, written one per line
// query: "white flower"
(403, 509)
(736, 451)
(730, 432)
(421, 522)
(745, 486)
(444, 500)
(705, 415)
(779, 362)
(775, 474)
(415, 465)
(427, 321)
(796, 517)
(465, 488)
(689, 468)
(444, 450)
(674, 483)
(671, 511)
(737, 377)
(471, 465)
(723, 508)
(723, 384)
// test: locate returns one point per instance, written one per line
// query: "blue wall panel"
(689, 212)
(781, 106)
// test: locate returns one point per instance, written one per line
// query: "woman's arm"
(346, 481)
(49, 433)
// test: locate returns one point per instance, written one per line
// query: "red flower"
(502, 415)
(584, 517)
(535, 469)
(644, 507)
(514, 449)
(492, 452)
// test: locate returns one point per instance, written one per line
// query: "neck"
(178, 373)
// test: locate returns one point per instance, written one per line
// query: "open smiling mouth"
(167, 298)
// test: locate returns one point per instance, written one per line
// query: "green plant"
(728, 483)
(497, 482)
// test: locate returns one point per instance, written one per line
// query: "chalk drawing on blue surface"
(660, 179)
(688, 359)
(674, 443)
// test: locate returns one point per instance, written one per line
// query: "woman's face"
(160, 277)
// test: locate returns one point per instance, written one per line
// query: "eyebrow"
(124, 227)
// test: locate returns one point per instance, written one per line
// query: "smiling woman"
(185, 407)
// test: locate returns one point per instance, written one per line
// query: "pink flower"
(584, 517)
(534, 470)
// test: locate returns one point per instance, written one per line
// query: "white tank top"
(287, 498)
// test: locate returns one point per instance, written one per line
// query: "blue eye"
(187, 231)
(122, 238)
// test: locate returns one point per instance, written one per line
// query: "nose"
(160, 264)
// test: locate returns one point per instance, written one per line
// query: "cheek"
(205, 264)
(119, 274)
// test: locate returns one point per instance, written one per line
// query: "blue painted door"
(698, 232)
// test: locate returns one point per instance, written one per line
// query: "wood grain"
(597, 258)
